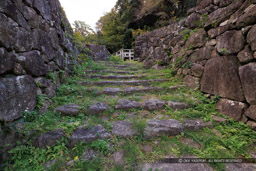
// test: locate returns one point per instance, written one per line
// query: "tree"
(83, 28)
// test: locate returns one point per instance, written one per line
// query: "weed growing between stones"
(230, 139)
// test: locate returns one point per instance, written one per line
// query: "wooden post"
(130, 55)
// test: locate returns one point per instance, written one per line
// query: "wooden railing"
(126, 54)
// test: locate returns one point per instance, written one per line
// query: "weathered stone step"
(125, 129)
(156, 127)
(116, 76)
(126, 68)
(111, 72)
(131, 90)
(150, 105)
(121, 76)
(132, 82)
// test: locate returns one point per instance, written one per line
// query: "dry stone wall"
(34, 41)
(215, 49)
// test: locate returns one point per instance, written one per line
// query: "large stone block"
(44, 8)
(251, 112)
(33, 63)
(193, 20)
(17, 94)
(201, 54)
(230, 42)
(14, 37)
(248, 78)
(221, 77)
(232, 109)
(251, 37)
(7, 61)
(98, 52)
(247, 16)
(222, 14)
(10, 9)
(245, 55)
(197, 39)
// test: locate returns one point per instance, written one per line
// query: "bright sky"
(88, 11)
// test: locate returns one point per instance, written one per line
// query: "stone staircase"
(116, 95)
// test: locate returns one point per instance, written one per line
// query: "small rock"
(97, 108)
(244, 119)
(49, 164)
(127, 104)
(147, 148)
(70, 163)
(18, 70)
(157, 127)
(177, 105)
(211, 42)
(191, 82)
(69, 109)
(88, 135)
(50, 91)
(45, 107)
(197, 124)
(123, 129)
(197, 70)
(89, 154)
(49, 138)
(118, 158)
(232, 109)
(190, 142)
(219, 119)
(251, 112)
(252, 124)
(154, 104)
(245, 55)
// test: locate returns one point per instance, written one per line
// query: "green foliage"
(28, 157)
(100, 145)
(90, 165)
(41, 98)
(223, 50)
(116, 59)
(51, 76)
(203, 19)
(131, 152)
(139, 126)
(29, 116)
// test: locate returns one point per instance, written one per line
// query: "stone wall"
(34, 41)
(215, 49)
(98, 52)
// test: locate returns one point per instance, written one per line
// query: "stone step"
(116, 76)
(157, 127)
(150, 105)
(126, 68)
(131, 90)
(132, 82)
(111, 72)
(120, 76)
(125, 129)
